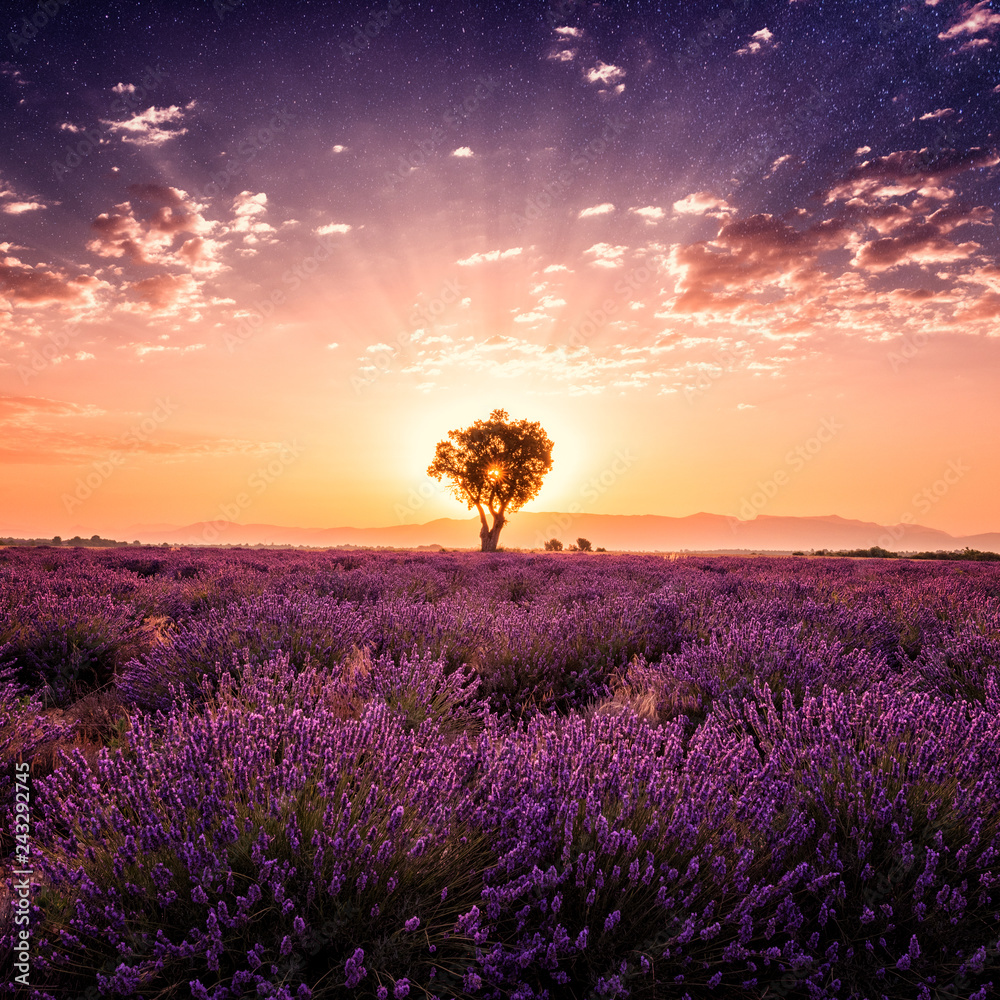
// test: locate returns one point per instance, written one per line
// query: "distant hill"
(628, 532)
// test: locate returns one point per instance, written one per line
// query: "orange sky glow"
(801, 331)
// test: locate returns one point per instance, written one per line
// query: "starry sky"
(276, 251)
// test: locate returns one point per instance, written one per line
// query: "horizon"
(252, 271)
(703, 532)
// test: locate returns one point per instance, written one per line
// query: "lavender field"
(371, 774)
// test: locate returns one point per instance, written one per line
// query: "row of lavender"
(573, 776)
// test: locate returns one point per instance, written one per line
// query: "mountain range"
(614, 532)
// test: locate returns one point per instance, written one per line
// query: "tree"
(553, 545)
(496, 465)
(583, 545)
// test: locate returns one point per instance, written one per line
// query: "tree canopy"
(495, 466)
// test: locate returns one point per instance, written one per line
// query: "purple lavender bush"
(383, 774)
(64, 645)
(23, 730)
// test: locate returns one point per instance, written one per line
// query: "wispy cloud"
(760, 41)
(605, 208)
(702, 203)
(649, 213)
(490, 255)
(152, 127)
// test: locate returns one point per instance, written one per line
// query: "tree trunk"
(484, 531)
(489, 537)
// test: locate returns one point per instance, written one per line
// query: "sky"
(256, 259)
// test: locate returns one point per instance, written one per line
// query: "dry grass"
(154, 631)
(357, 666)
(97, 720)
(656, 700)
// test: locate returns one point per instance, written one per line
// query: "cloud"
(246, 203)
(788, 281)
(562, 55)
(988, 275)
(12, 203)
(745, 254)
(462, 152)
(702, 203)
(247, 207)
(56, 432)
(568, 32)
(141, 350)
(201, 255)
(24, 285)
(513, 357)
(760, 41)
(34, 429)
(591, 368)
(972, 20)
(950, 217)
(606, 255)
(779, 162)
(19, 207)
(985, 308)
(905, 172)
(13, 74)
(338, 148)
(167, 293)
(915, 243)
(603, 209)
(149, 127)
(490, 255)
(333, 227)
(144, 228)
(940, 113)
(23, 409)
(649, 213)
(163, 227)
(604, 73)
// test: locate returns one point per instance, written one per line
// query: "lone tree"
(496, 465)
